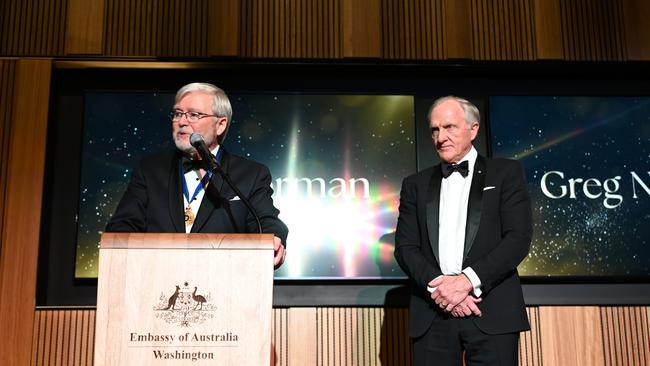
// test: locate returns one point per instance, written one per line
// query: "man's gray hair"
(472, 113)
(220, 103)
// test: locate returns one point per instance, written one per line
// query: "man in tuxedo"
(464, 225)
(172, 192)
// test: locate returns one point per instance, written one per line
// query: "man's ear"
(474, 130)
(222, 123)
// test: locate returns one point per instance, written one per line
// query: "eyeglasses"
(193, 117)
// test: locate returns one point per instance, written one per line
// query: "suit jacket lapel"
(474, 204)
(176, 209)
(212, 198)
(433, 208)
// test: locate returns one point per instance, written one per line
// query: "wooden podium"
(184, 299)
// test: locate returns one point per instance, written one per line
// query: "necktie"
(462, 168)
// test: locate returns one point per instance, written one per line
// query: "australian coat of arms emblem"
(184, 306)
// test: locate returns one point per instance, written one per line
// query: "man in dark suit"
(464, 225)
(171, 192)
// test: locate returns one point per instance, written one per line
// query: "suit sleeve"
(516, 231)
(408, 241)
(130, 215)
(262, 201)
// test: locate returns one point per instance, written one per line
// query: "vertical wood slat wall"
(626, 335)
(329, 29)
(64, 337)
(593, 30)
(530, 349)
(362, 336)
(32, 27)
(379, 336)
(503, 29)
(161, 28)
(290, 29)
(279, 340)
(413, 29)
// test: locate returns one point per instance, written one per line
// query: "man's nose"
(183, 121)
(442, 136)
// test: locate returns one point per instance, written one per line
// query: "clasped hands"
(451, 294)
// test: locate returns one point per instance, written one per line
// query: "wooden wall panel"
(395, 344)
(32, 27)
(412, 29)
(7, 75)
(85, 27)
(302, 331)
(458, 29)
(571, 336)
(291, 28)
(637, 29)
(224, 28)
(362, 336)
(548, 29)
(63, 337)
(20, 226)
(361, 35)
(503, 29)
(157, 28)
(592, 30)
(280, 340)
(626, 335)
(530, 342)
(376, 336)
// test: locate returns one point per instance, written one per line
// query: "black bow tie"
(191, 164)
(462, 168)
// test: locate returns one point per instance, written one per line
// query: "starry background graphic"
(582, 137)
(335, 233)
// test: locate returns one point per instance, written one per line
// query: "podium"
(184, 299)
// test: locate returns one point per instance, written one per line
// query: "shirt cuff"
(432, 289)
(476, 282)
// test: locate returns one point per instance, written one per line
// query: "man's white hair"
(471, 112)
(220, 103)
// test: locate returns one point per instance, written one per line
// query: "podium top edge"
(185, 241)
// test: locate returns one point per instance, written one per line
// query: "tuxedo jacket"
(153, 201)
(497, 238)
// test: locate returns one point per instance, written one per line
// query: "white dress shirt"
(452, 221)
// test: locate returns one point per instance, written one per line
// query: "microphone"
(211, 163)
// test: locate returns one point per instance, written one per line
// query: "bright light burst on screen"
(351, 227)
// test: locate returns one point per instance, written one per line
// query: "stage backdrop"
(337, 163)
(587, 163)
(338, 160)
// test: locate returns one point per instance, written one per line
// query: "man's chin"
(444, 154)
(186, 148)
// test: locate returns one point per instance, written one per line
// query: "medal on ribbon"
(189, 216)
